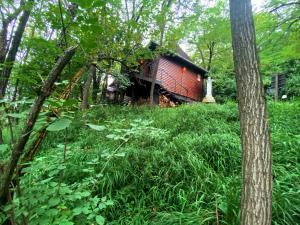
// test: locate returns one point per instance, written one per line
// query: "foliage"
(292, 69)
(224, 87)
(293, 86)
(121, 165)
(154, 170)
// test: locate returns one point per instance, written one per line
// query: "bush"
(224, 87)
(292, 86)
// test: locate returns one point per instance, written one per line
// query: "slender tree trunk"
(11, 55)
(35, 144)
(86, 87)
(30, 121)
(1, 135)
(104, 87)
(96, 86)
(256, 200)
(155, 64)
(211, 46)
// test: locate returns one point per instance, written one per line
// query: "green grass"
(189, 174)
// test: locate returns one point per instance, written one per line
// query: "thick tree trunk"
(11, 56)
(86, 87)
(256, 200)
(3, 42)
(30, 121)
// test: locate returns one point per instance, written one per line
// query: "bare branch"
(284, 5)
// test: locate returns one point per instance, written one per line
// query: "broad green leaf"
(3, 147)
(109, 202)
(59, 124)
(100, 220)
(77, 211)
(113, 136)
(53, 202)
(96, 127)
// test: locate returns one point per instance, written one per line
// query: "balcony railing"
(165, 79)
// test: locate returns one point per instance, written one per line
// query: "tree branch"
(284, 5)
(30, 121)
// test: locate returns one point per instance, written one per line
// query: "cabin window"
(198, 77)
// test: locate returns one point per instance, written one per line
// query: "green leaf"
(85, 193)
(53, 202)
(109, 202)
(17, 115)
(83, 3)
(96, 127)
(3, 147)
(59, 124)
(70, 102)
(100, 220)
(77, 211)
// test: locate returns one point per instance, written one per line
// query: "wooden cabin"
(177, 78)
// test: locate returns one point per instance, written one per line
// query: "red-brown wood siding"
(176, 80)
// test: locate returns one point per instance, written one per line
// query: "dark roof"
(181, 53)
(182, 58)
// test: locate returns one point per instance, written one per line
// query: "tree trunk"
(167, 4)
(154, 70)
(210, 46)
(86, 88)
(104, 87)
(3, 42)
(11, 55)
(96, 86)
(35, 144)
(1, 135)
(30, 121)
(256, 200)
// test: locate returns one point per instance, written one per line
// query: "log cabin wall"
(185, 82)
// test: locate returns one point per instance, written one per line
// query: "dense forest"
(75, 148)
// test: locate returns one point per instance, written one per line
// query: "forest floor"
(158, 166)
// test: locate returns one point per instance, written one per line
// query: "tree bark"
(210, 46)
(86, 87)
(96, 86)
(256, 200)
(11, 55)
(1, 135)
(30, 121)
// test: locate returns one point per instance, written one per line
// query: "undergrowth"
(174, 166)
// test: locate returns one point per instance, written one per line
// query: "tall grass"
(189, 175)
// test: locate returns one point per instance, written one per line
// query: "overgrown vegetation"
(155, 166)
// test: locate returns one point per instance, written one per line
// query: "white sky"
(257, 4)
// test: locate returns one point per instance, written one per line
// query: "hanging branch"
(18, 149)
